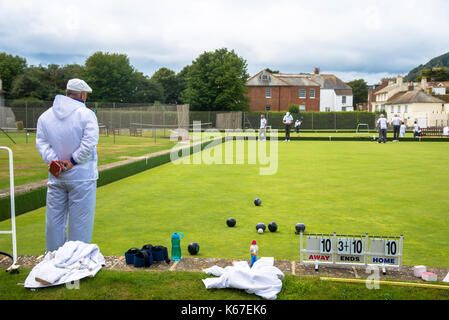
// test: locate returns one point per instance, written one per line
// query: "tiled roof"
(413, 97)
(343, 92)
(324, 81)
(330, 81)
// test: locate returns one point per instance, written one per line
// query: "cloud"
(369, 37)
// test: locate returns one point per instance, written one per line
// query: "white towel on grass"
(263, 279)
(73, 261)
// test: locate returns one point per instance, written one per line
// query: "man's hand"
(66, 165)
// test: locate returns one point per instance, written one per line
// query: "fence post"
(26, 121)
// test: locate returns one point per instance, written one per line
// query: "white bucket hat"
(78, 85)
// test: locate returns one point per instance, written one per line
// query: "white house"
(439, 88)
(335, 95)
(418, 106)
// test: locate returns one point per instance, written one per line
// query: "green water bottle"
(176, 246)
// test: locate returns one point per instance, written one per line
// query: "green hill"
(441, 61)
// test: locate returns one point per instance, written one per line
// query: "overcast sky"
(350, 38)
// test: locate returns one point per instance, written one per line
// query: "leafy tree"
(33, 83)
(10, 67)
(293, 108)
(44, 82)
(110, 76)
(271, 71)
(216, 81)
(435, 74)
(167, 78)
(145, 90)
(359, 91)
(181, 81)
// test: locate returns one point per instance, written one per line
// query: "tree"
(110, 76)
(167, 78)
(44, 82)
(145, 90)
(10, 67)
(359, 91)
(181, 81)
(33, 82)
(217, 81)
(435, 74)
(271, 71)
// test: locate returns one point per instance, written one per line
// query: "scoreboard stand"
(351, 250)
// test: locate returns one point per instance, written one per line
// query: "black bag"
(160, 253)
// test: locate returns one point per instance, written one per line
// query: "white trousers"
(71, 202)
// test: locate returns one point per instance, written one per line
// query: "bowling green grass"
(347, 187)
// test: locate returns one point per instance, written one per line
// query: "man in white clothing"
(446, 131)
(297, 125)
(287, 121)
(396, 122)
(382, 125)
(263, 128)
(67, 133)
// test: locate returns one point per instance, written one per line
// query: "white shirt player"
(446, 131)
(382, 122)
(288, 118)
(263, 123)
(402, 130)
(396, 121)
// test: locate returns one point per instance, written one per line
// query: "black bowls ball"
(193, 248)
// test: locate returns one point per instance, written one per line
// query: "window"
(377, 107)
(267, 108)
(343, 99)
(302, 107)
(405, 108)
(302, 93)
(399, 109)
(312, 93)
(268, 93)
(392, 109)
(327, 109)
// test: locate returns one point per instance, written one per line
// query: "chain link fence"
(158, 121)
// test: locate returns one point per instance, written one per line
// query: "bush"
(293, 109)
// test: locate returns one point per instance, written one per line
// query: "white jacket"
(69, 129)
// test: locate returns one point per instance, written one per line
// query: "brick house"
(275, 92)
(311, 92)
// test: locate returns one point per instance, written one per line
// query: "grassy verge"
(149, 285)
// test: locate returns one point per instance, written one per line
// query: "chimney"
(399, 80)
(411, 87)
(316, 71)
(424, 83)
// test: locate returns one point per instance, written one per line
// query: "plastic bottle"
(254, 249)
(176, 246)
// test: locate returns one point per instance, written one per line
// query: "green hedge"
(316, 120)
(36, 198)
